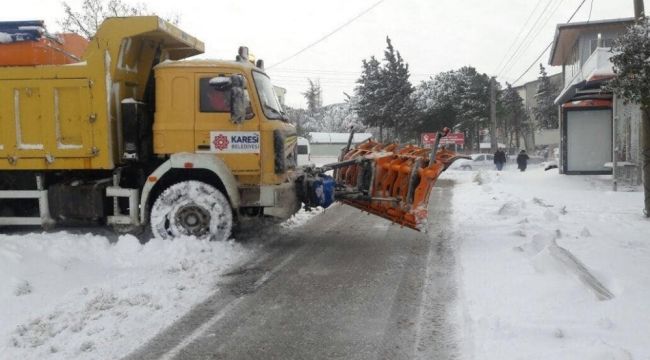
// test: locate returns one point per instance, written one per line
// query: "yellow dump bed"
(68, 116)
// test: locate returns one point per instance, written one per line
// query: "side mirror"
(237, 99)
(235, 86)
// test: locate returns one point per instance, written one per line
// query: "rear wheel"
(191, 208)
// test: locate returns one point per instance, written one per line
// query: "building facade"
(534, 138)
(599, 134)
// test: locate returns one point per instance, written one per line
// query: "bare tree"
(86, 20)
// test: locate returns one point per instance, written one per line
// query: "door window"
(213, 100)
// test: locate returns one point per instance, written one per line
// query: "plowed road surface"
(346, 285)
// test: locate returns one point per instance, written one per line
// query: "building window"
(607, 43)
(303, 149)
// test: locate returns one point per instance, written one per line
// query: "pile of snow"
(301, 217)
(551, 266)
(70, 296)
(5, 38)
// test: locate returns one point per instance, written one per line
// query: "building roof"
(337, 138)
(567, 34)
(553, 77)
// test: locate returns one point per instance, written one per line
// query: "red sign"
(450, 139)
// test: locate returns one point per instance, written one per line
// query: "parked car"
(478, 161)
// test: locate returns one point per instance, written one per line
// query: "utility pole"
(639, 14)
(493, 114)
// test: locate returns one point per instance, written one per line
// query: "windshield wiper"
(275, 111)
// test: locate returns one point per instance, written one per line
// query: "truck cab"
(195, 109)
(193, 116)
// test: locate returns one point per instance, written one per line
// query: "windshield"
(270, 104)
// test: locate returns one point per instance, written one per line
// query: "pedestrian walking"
(522, 160)
(499, 159)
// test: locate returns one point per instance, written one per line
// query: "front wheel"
(191, 208)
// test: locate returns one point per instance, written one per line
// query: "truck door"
(214, 132)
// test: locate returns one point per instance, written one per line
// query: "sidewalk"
(551, 266)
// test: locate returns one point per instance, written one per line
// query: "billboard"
(428, 139)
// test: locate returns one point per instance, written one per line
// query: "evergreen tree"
(314, 97)
(398, 105)
(474, 105)
(513, 115)
(370, 93)
(632, 83)
(458, 99)
(545, 112)
(384, 94)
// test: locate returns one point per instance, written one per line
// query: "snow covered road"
(532, 265)
(345, 285)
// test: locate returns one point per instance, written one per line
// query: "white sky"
(432, 35)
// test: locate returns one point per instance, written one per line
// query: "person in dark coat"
(522, 160)
(499, 159)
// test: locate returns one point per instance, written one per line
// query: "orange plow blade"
(390, 181)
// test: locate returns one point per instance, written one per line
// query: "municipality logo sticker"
(235, 141)
(221, 142)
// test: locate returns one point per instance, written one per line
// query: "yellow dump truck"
(137, 134)
(133, 134)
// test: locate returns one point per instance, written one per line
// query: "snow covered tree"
(384, 93)
(300, 119)
(545, 111)
(632, 83)
(458, 99)
(436, 102)
(339, 118)
(86, 21)
(399, 107)
(370, 93)
(329, 118)
(474, 106)
(512, 115)
(314, 96)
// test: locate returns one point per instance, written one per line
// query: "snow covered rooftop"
(337, 138)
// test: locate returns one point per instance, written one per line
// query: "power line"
(538, 31)
(523, 41)
(591, 6)
(514, 41)
(548, 46)
(328, 34)
(534, 62)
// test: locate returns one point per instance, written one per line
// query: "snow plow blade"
(390, 181)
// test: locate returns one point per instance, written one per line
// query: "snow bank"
(301, 218)
(5, 38)
(534, 249)
(70, 296)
